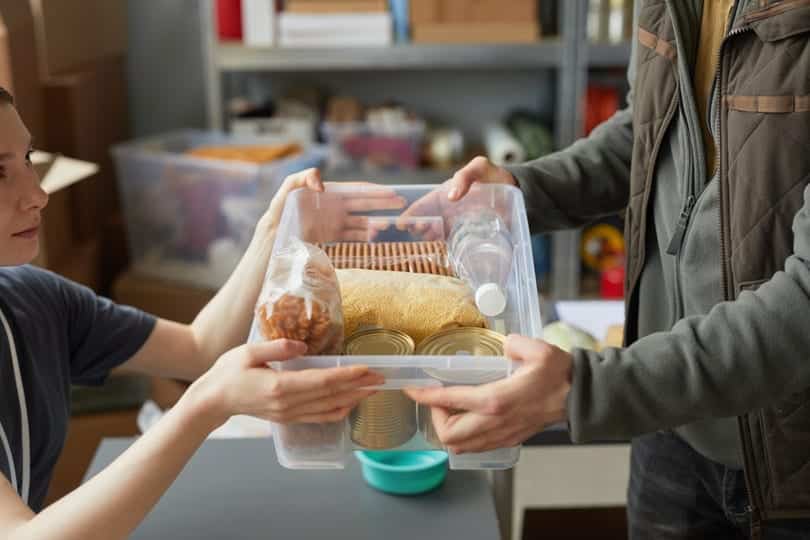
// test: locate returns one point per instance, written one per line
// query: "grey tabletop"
(235, 489)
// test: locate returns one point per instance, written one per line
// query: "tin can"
(387, 419)
(379, 341)
(457, 342)
(461, 342)
(424, 421)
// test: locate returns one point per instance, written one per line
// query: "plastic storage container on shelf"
(190, 218)
(369, 147)
(316, 218)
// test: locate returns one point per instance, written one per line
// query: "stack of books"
(335, 23)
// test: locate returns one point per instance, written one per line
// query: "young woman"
(54, 333)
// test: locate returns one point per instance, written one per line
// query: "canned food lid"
(379, 341)
(461, 342)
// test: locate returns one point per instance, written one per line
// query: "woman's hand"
(329, 215)
(309, 178)
(241, 382)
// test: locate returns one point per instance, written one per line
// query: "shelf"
(607, 55)
(543, 54)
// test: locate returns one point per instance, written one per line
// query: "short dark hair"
(5, 97)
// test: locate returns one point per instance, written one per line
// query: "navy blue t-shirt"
(64, 334)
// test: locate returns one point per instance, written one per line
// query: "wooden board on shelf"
(336, 6)
(488, 11)
(472, 11)
(538, 54)
(527, 32)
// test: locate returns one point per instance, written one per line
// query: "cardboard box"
(489, 11)
(71, 34)
(59, 176)
(164, 299)
(167, 392)
(19, 64)
(84, 435)
(82, 265)
(475, 11)
(91, 108)
(425, 11)
(527, 32)
(332, 6)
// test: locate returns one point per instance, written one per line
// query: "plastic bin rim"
(347, 187)
(414, 361)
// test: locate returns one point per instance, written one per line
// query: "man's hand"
(505, 413)
(441, 201)
(479, 170)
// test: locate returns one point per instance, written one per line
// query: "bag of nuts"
(300, 300)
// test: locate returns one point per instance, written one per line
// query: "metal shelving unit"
(544, 54)
(569, 54)
(608, 55)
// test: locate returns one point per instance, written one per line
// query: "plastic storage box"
(363, 146)
(189, 219)
(316, 218)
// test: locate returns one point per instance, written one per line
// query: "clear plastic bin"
(316, 218)
(189, 219)
(362, 146)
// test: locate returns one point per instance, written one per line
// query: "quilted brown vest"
(764, 153)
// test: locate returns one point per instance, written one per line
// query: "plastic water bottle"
(480, 250)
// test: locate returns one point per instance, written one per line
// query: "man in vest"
(710, 164)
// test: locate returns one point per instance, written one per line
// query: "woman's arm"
(186, 351)
(225, 321)
(119, 497)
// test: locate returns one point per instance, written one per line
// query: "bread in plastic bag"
(417, 304)
(300, 300)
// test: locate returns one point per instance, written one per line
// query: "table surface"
(236, 489)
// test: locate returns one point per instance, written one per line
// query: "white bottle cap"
(490, 299)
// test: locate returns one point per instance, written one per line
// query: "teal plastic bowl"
(404, 473)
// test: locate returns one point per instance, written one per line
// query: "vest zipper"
(676, 241)
(756, 503)
(696, 179)
(756, 523)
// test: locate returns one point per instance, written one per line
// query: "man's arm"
(587, 180)
(739, 357)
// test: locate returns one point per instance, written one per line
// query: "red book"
(229, 19)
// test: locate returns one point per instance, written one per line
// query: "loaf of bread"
(417, 304)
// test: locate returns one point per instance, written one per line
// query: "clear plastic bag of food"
(300, 300)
